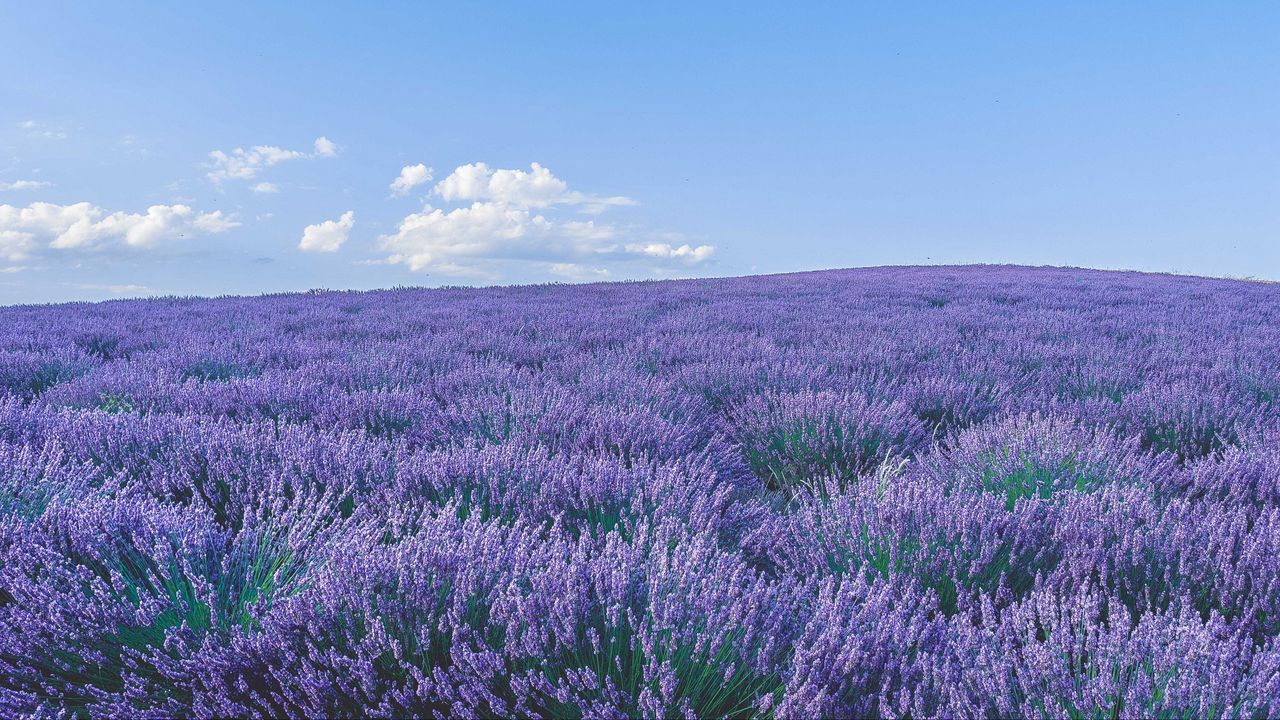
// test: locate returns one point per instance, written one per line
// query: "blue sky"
(613, 141)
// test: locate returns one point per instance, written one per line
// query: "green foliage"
(710, 680)
(1186, 439)
(115, 404)
(1035, 478)
(102, 346)
(46, 376)
(265, 570)
(815, 457)
(211, 371)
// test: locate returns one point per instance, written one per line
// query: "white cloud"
(666, 250)
(537, 188)
(16, 246)
(435, 239)
(410, 177)
(574, 271)
(241, 164)
(325, 147)
(329, 235)
(511, 218)
(25, 185)
(40, 225)
(39, 129)
(588, 231)
(214, 222)
(266, 187)
(120, 289)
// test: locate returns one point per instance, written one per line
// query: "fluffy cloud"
(325, 147)
(16, 246)
(511, 218)
(668, 251)
(329, 235)
(410, 177)
(25, 230)
(436, 239)
(241, 164)
(537, 188)
(266, 188)
(214, 222)
(25, 185)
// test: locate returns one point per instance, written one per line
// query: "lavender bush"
(946, 492)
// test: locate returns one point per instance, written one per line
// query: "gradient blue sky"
(676, 140)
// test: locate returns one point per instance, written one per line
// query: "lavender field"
(959, 492)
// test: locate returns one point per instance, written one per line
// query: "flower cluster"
(946, 492)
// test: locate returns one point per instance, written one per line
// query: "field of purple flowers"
(974, 492)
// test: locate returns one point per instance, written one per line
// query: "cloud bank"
(478, 222)
(25, 185)
(41, 226)
(514, 215)
(242, 164)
